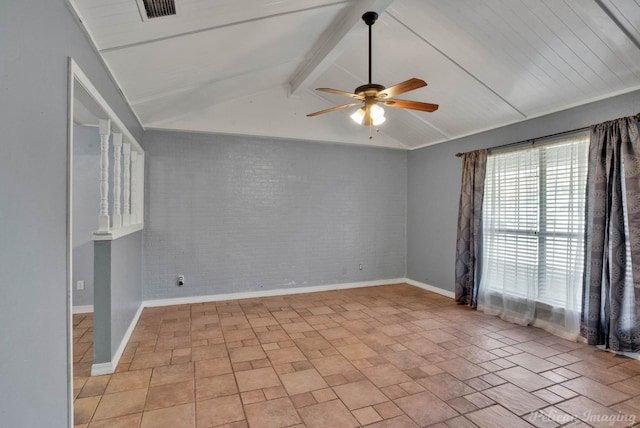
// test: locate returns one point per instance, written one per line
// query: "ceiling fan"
(369, 95)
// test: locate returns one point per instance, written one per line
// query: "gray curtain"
(611, 286)
(474, 166)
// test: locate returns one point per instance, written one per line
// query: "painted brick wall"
(236, 214)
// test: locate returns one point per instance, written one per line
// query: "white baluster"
(103, 219)
(117, 180)
(126, 208)
(134, 184)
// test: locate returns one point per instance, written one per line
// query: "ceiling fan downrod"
(370, 18)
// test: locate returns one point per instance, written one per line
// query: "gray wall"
(237, 214)
(434, 174)
(126, 284)
(36, 39)
(118, 292)
(86, 202)
(102, 303)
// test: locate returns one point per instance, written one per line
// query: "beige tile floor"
(389, 356)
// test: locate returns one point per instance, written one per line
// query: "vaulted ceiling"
(251, 66)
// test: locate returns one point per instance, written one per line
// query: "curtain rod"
(533, 140)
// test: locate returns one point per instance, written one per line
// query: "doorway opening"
(105, 179)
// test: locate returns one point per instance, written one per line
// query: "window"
(533, 233)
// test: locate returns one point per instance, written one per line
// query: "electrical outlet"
(180, 281)
(360, 266)
(80, 284)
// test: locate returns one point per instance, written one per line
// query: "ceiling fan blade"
(339, 92)
(401, 88)
(332, 109)
(413, 105)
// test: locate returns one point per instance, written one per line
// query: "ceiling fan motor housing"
(369, 90)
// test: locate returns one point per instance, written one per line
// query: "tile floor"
(389, 356)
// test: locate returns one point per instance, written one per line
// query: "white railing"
(126, 214)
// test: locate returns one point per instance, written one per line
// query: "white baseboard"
(431, 288)
(102, 369)
(267, 293)
(86, 309)
(110, 367)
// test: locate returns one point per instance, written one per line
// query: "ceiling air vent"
(150, 9)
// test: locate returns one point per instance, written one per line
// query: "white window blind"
(533, 231)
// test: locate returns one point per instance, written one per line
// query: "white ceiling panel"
(614, 45)
(191, 100)
(495, 58)
(206, 57)
(251, 67)
(116, 23)
(538, 55)
(627, 13)
(416, 129)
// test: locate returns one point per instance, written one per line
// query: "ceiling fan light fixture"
(358, 116)
(378, 120)
(376, 112)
